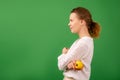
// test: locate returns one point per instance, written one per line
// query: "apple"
(79, 65)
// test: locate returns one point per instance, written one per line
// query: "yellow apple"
(78, 65)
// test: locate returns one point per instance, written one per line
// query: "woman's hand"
(65, 50)
(75, 65)
(71, 65)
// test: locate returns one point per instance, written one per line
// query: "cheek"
(76, 26)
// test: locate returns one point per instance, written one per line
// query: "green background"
(33, 33)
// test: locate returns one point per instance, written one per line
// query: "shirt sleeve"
(78, 52)
(60, 58)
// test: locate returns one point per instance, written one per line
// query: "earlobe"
(81, 22)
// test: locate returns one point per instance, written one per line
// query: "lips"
(70, 27)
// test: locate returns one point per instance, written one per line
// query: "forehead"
(73, 15)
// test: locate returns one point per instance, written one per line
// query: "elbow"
(61, 64)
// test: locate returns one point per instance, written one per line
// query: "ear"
(82, 22)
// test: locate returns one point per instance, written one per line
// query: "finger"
(69, 66)
(73, 67)
(73, 62)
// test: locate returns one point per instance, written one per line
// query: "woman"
(82, 24)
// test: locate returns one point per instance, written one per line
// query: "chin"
(73, 31)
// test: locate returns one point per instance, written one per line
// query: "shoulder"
(85, 41)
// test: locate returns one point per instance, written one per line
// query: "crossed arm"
(66, 61)
(70, 65)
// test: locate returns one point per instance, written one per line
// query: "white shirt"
(81, 49)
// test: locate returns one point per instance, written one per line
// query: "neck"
(83, 32)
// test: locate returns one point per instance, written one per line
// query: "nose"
(68, 24)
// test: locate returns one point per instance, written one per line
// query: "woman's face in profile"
(75, 23)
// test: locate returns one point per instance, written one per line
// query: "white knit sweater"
(81, 49)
